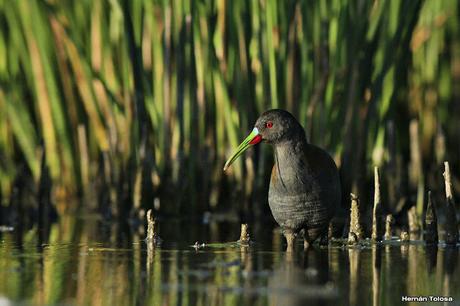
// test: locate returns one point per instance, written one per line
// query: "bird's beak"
(252, 139)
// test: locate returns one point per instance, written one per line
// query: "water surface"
(87, 261)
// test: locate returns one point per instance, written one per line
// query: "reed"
(172, 86)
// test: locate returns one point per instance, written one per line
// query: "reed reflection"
(450, 261)
(376, 268)
(431, 253)
(354, 265)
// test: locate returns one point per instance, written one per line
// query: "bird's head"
(275, 126)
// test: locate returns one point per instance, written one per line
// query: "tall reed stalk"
(156, 93)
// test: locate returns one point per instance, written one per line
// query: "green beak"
(252, 139)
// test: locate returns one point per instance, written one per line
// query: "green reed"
(145, 95)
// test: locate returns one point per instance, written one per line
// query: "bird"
(305, 189)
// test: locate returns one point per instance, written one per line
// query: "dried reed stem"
(377, 212)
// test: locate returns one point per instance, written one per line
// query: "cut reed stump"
(244, 235)
(356, 231)
(389, 221)
(451, 217)
(413, 219)
(404, 236)
(431, 222)
(152, 239)
(377, 226)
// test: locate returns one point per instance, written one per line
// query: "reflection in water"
(86, 261)
(376, 264)
(354, 254)
(431, 257)
(300, 278)
(450, 265)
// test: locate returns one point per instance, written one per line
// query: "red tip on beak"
(256, 140)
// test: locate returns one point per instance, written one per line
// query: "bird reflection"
(302, 278)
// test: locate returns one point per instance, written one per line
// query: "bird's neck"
(290, 157)
(290, 149)
(290, 169)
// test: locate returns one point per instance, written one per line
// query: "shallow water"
(84, 260)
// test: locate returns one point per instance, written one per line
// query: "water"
(86, 261)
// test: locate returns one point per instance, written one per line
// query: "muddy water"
(86, 261)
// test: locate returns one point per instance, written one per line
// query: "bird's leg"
(324, 239)
(290, 238)
(306, 240)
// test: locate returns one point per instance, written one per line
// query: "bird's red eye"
(269, 124)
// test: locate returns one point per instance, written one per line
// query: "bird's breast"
(298, 211)
(294, 181)
(304, 187)
(295, 200)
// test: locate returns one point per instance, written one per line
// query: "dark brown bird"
(304, 186)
